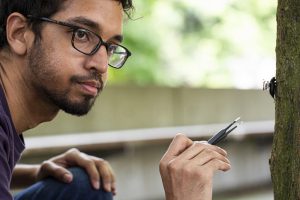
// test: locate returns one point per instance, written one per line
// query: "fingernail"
(67, 178)
(96, 185)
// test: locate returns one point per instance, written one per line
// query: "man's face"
(64, 76)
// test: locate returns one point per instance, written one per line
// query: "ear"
(18, 33)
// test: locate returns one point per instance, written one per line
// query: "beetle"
(271, 86)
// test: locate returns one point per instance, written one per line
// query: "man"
(54, 56)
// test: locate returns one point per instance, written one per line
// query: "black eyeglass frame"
(96, 48)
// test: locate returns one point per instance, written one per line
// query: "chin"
(78, 108)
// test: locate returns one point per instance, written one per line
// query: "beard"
(46, 77)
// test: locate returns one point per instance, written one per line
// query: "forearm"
(24, 175)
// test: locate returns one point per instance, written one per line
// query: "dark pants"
(50, 189)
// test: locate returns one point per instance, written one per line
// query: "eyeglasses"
(88, 43)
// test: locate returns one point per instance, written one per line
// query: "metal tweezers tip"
(237, 119)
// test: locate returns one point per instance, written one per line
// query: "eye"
(81, 35)
(111, 49)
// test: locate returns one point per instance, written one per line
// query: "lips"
(91, 87)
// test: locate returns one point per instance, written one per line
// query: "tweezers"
(224, 132)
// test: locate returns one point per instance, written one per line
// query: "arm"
(99, 170)
(24, 175)
(187, 169)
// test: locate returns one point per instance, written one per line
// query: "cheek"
(104, 77)
(52, 66)
(56, 72)
(65, 62)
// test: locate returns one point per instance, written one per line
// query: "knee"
(81, 185)
(80, 188)
(80, 179)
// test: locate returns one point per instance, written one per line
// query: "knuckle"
(209, 152)
(103, 164)
(89, 162)
(180, 136)
(106, 163)
(201, 143)
(173, 166)
(100, 161)
(73, 151)
(45, 165)
(188, 170)
(48, 167)
(198, 145)
(162, 165)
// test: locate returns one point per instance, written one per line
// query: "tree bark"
(285, 158)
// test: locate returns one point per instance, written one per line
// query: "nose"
(99, 61)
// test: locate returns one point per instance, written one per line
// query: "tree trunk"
(285, 158)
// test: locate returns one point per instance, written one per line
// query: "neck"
(28, 109)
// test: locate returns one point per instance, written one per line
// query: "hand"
(97, 169)
(187, 169)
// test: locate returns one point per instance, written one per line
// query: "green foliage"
(198, 43)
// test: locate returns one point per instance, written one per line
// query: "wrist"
(34, 172)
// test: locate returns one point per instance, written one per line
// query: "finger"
(113, 188)
(207, 155)
(83, 160)
(106, 174)
(177, 146)
(213, 147)
(207, 171)
(49, 168)
(216, 164)
(196, 148)
(192, 151)
(219, 150)
(113, 183)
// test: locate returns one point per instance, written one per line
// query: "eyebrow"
(93, 25)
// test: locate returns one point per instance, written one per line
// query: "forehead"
(108, 14)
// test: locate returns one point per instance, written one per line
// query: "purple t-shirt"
(11, 147)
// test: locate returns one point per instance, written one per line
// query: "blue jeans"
(50, 189)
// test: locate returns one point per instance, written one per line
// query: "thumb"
(49, 168)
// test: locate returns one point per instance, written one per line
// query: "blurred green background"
(214, 44)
